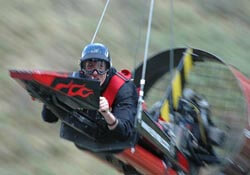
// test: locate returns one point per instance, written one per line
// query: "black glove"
(48, 116)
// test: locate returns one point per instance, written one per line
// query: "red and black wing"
(77, 93)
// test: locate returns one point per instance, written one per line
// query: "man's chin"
(97, 79)
(94, 78)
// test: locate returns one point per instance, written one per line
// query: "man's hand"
(104, 105)
(108, 116)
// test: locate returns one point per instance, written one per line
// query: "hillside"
(50, 35)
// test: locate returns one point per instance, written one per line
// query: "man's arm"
(121, 118)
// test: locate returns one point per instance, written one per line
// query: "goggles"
(90, 66)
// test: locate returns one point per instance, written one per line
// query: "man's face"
(96, 70)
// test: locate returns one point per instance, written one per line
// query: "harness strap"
(115, 84)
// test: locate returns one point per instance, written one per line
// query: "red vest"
(115, 84)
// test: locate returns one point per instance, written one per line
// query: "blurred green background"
(50, 35)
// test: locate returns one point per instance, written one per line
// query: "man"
(118, 100)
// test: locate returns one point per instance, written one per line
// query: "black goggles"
(90, 72)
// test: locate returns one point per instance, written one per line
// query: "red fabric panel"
(113, 87)
(115, 84)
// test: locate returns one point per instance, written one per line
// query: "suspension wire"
(142, 81)
(138, 39)
(171, 61)
(100, 21)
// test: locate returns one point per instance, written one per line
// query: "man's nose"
(95, 72)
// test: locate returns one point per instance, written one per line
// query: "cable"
(142, 81)
(171, 61)
(100, 21)
(140, 22)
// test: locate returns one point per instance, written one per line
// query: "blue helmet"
(96, 51)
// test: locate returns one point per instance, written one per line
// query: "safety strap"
(115, 84)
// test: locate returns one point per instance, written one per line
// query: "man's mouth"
(95, 78)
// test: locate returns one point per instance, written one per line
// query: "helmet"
(96, 51)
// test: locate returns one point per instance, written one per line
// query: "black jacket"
(124, 109)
